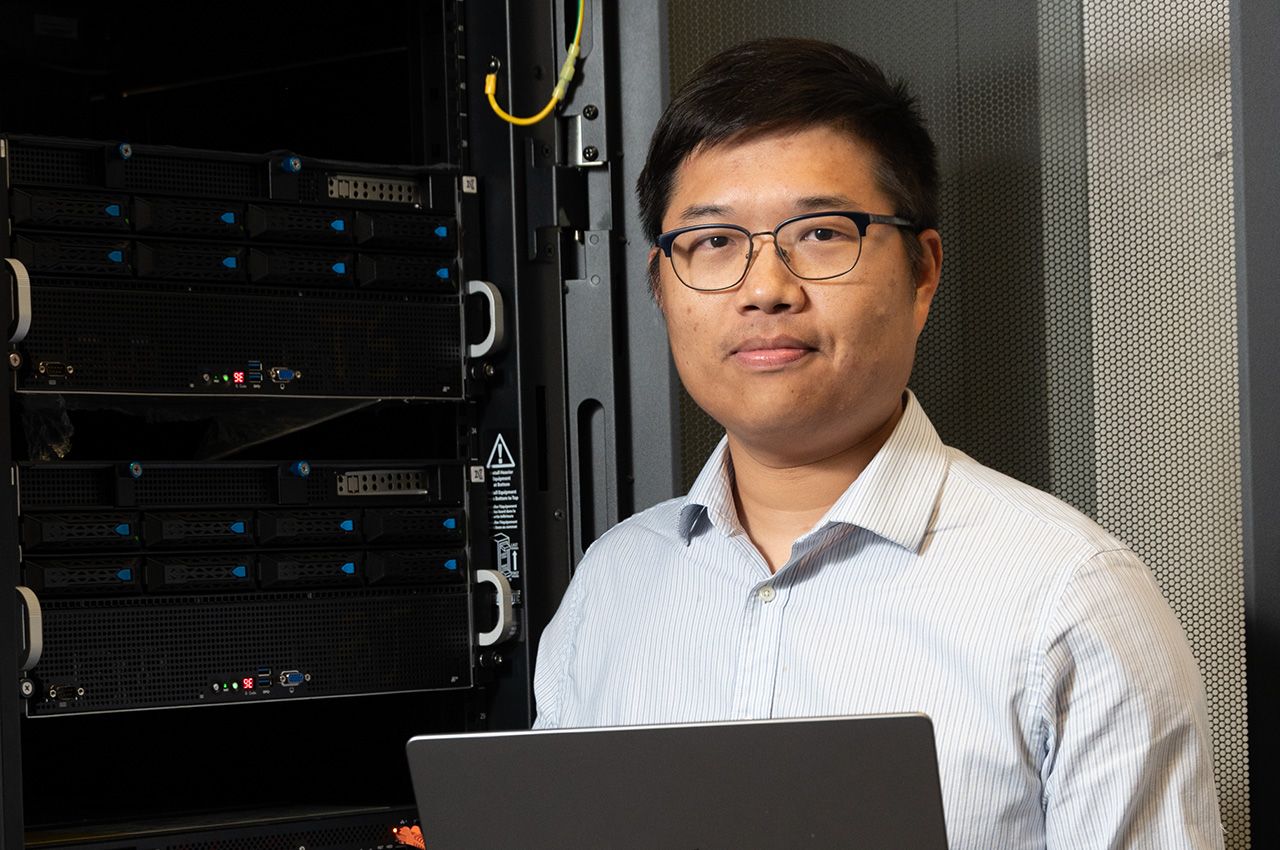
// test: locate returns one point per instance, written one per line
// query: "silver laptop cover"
(832, 782)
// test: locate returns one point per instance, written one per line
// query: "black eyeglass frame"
(861, 220)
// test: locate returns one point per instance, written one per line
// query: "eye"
(712, 241)
(825, 234)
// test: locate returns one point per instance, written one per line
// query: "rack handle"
(497, 335)
(32, 630)
(505, 628)
(22, 310)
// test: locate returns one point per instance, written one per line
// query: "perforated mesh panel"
(347, 838)
(161, 341)
(155, 651)
(212, 179)
(44, 166)
(50, 487)
(304, 830)
(1080, 341)
(1168, 469)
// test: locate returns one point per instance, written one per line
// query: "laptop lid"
(846, 782)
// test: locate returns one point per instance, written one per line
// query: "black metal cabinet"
(317, 388)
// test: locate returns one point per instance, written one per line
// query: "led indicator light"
(240, 571)
(442, 231)
(125, 575)
(116, 256)
(237, 527)
(226, 378)
(235, 686)
(338, 225)
(349, 568)
(443, 274)
(113, 210)
(247, 683)
(122, 529)
(339, 268)
(451, 523)
(228, 218)
(347, 525)
(451, 564)
(229, 262)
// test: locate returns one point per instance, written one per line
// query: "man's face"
(794, 369)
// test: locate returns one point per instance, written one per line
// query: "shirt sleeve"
(555, 653)
(1128, 763)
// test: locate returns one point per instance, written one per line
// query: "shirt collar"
(711, 496)
(894, 497)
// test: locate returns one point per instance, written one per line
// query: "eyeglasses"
(814, 246)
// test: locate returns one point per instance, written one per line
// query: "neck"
(779, 498)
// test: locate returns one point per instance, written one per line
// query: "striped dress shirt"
(1068, 709)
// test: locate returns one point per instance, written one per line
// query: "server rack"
(302, 433)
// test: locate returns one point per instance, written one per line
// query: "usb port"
(254, 377)
(254, 365)
(263, 682)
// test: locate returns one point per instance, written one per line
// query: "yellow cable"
(557, 93)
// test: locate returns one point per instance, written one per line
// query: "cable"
(557, 94)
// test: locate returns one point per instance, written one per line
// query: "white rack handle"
(497, 335)
(23, 311)
(33, 630)
(505, 628)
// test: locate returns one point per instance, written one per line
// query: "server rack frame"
(529, 182)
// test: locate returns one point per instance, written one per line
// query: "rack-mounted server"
(163, 585)
(165, 271)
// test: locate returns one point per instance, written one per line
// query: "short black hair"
(778, 84)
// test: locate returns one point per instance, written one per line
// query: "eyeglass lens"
(813, 248)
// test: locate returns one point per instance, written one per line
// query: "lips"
(770, 352)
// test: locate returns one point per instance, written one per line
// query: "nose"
(769, 285)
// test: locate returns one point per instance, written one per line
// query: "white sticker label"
(504, 499)
(508, 559)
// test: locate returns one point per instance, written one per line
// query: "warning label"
(500, 456)
(504, 498)
(508, 556)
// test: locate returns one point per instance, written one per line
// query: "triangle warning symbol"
(500, 457)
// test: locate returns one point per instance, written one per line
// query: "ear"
(653, 270)
(929, 276)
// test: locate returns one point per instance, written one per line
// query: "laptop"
(830, 782)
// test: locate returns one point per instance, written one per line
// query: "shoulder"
(638, 540)
(1006, 507)
(662, 521)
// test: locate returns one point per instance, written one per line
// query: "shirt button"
(766, 593)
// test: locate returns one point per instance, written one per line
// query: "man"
(834, 557)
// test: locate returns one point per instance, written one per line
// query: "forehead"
(773, 175)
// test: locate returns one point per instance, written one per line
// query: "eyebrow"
(826, 202)
(809, 203)
(705, 211)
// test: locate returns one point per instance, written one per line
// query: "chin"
(774, 422)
